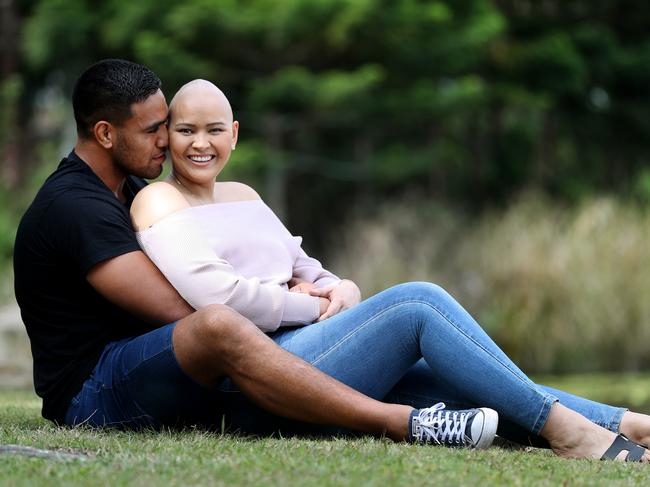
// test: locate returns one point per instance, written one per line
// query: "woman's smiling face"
(202, 132)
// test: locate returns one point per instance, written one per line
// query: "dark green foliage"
(342, 100)
(469, 101)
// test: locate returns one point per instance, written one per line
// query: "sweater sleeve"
(177, 247)
(311, 270)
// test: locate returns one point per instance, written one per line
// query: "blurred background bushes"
(560, 288)
(498, 147)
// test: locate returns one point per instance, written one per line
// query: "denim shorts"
(138, 383)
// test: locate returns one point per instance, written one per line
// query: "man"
(113, 343)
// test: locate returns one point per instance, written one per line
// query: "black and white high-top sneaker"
(469, 428)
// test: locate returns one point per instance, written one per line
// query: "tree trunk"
(9, 94)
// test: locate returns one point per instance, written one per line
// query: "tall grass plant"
(560, 289)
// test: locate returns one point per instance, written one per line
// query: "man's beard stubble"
(123, 158)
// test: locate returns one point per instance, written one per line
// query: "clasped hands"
(333, 298)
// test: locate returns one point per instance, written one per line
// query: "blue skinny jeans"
(414, 344)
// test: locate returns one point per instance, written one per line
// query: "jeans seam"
(547, 398)
(353, 332)
(124, 381)
(126, 375)
(614, 424)
(540, 421)
(478, 344)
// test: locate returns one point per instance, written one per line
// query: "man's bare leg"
(216, 342)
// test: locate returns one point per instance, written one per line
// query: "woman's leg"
(420, 387)
(371, 347)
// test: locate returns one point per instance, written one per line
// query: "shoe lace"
(439, 426)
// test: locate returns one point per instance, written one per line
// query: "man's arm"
(132, 282)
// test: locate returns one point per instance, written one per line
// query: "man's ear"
(104, 133)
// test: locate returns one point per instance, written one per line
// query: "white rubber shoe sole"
(483, 428)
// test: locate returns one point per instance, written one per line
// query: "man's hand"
(324, 304)
(342, 296)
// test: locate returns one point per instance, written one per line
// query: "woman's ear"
(103, 132)
(235, 134)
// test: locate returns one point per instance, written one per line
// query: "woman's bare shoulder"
(234, 191)
(155, 202)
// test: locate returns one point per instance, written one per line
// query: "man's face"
(141, 141)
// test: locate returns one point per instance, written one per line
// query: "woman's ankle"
(560, 426)
(572, 435)
(636, 427)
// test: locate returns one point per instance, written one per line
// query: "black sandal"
(621, 443)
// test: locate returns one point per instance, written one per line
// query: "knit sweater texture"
(239, 254)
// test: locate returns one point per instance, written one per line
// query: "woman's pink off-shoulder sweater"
(239, 254)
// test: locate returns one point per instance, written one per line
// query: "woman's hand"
(342, 296)
(305, 287)
(302, 287)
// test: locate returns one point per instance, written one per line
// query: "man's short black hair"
(106, 91)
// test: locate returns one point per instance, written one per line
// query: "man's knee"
(211, 342)
(221, 327)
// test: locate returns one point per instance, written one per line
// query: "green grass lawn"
(199, 458)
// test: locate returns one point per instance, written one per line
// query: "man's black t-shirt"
(74, 223)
